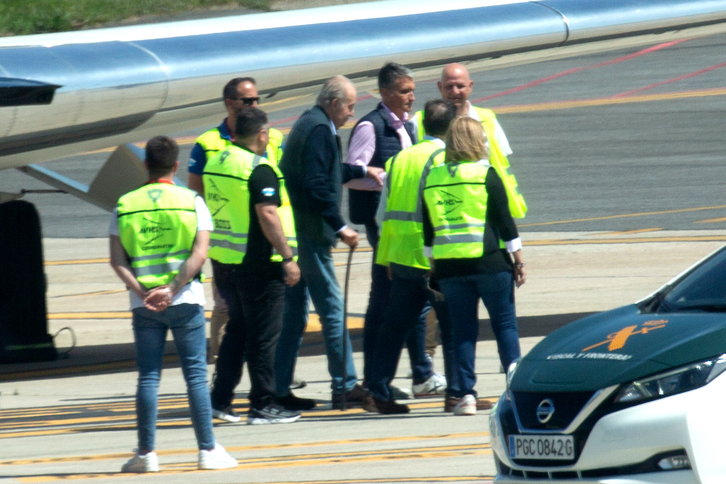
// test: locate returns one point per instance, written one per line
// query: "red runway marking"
(283, 121)
(675, 79)
(579, 69)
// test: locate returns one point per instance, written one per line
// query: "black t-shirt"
(264, 187)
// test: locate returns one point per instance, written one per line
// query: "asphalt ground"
(627, 135)
(620, 155)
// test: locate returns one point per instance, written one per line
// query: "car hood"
(619, 346)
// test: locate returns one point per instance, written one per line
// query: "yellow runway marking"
(67, 371)
(607, 101)
(109, 422)
(635, 240)
(256, 448)
(712, 220)
(96, 293)
(524, 108)
(303, 460)
(76, 262)
(354, 322)
(345, 250)
(92, 315)
(628, 232)
(625, 215)
(106, 260)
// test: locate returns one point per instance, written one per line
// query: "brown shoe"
(481, 404)
(354, 398)
(373, 404)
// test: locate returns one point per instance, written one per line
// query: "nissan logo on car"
(545, 410)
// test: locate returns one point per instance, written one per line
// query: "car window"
(704, 288)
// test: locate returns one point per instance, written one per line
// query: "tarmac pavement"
(73, 418)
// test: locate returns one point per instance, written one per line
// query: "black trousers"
(255, 303)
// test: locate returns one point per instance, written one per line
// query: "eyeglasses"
(247, 101)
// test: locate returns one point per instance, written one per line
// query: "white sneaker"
(228, 414)
(435, 385)
(217, 458)
(466, 406)
(142, 463)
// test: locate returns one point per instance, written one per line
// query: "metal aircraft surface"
(64, 93)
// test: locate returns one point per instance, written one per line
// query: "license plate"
(542, 447)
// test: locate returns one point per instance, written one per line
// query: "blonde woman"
(475, 249)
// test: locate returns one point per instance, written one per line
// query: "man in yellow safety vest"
(455, 85)
(238, 94)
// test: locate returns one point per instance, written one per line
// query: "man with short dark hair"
(378, 136)
(238, 94)
(253, 258)
(159, 236)
(312, 168)
(401, 251)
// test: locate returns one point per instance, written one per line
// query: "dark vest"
(307, 221)
(363, 204)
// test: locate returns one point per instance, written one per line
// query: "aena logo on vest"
(216, 201)
(215, 198)
(448, 202)
(151, 231)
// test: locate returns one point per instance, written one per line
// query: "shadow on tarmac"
(118, 358)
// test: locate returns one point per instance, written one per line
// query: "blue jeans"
(421, 366)
(318, 282)
(462, 295)
(409, 290)
(186, 322)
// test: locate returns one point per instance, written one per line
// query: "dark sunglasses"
(247, 101)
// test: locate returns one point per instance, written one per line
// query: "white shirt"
(192, 293)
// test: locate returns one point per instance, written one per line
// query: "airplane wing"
(112, 86)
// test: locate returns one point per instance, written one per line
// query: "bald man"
(455, 86)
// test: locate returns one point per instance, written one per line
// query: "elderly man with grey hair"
(314, 178)
(378, 136)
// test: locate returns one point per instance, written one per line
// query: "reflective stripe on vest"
(401, 240)
(498, 160)
(274, 147)
(456, 198)
(157, 226)
(227, 194)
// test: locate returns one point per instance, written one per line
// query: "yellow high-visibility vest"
(157, 224)
(401, 240)
(456, 198)
(498, 160)
(228, 198)
(212, 143)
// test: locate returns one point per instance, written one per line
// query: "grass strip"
(22, 17)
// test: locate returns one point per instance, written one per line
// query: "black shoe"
(227, 414)
(373, 404)
(353, 398)
(291, 402)
(272, 413)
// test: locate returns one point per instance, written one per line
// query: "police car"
(632, 395)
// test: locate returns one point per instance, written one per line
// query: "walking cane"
(345, 325)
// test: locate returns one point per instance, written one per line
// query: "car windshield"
(702, 289)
